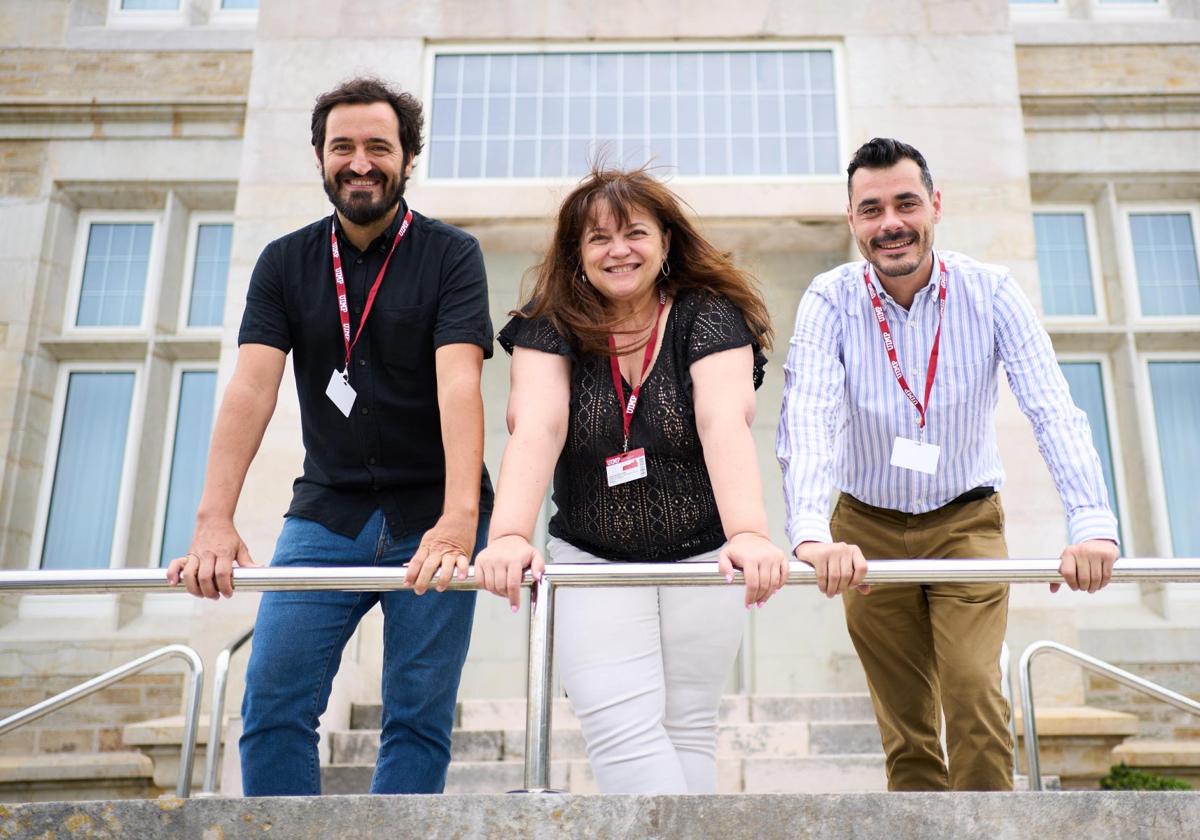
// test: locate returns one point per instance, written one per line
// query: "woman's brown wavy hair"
(580, 313)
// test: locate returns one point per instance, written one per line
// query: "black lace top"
(670, 514)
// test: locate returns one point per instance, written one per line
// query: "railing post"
(191, 726)
(1033, 759)
(539, 702)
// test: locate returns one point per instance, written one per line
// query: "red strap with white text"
(890, 346)
(627, 408)
(339, 280)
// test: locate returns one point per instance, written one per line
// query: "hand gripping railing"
(541, 643)
(1032, 752)
(191, 717)
(212, 755)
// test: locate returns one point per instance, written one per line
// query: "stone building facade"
(146, 157)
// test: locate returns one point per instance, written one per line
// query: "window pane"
(189, 454)
(114, 275)
(1087, 390)
(1164, 252)
(87, 475)
(1176, 390)
(209, 275)
(741, 111)
(239, 4)
(153, 5)
(1064, 265)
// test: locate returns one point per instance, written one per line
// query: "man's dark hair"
(885, 152)
(363, 91)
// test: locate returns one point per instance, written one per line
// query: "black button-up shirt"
(388, 453)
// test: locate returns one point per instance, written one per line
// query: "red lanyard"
(629, 407)
(890, 346)
(339, 280)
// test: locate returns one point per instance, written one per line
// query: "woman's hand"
(763, 565)
(501, 566)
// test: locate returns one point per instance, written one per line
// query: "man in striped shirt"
(890, 394)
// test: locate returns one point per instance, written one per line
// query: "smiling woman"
(633, 378)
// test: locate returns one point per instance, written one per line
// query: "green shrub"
(1124, 777)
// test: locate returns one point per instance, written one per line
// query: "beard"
(357, 206)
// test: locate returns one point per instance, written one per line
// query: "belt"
(973, 495)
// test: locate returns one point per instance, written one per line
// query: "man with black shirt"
(387, 313)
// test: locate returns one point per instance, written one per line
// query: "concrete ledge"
(894, 816)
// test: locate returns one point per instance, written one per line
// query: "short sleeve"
(265, 319)
(716, 325)
(535, 334)
(463, 316)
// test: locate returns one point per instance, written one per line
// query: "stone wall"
(1157, 719)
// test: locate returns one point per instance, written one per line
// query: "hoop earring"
(666, 269)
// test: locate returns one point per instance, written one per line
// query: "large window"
(1164, 254)
(1065, 266)
(1086, 381)
(137, 357)
(698, 113)
(88, 469)
(1175, 386)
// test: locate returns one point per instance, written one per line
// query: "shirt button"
(358, 310)
(364, 410)
(375, 487)
(362, 362)
(358, 261)
(371, 461)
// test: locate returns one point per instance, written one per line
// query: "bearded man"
(387, 314)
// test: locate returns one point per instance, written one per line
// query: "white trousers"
(643, 668)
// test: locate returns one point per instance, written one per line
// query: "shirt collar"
(930, 288)
(384, 240)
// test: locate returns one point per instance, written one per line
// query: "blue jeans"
(298, 642)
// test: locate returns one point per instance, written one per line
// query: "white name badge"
(626, 467)
(340, 392)
(910, 454)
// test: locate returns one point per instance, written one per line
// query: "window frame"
(1100, 316)
(87, 218)
(133, 434)
(1023, 12)
(1129, 282)
(195, 220)
(168, 457)
(236, 17)
(432, 51)
(1125, 10)
(1115, 449)
(118, 16)
(1148, 419)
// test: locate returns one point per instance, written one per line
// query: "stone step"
(815, 774)
(509, 713)
(361, 746)
(1176, 758)
(76, 776)
(462, 777)
(843, 737)
(1107, 815)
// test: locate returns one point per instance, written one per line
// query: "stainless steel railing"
(212, 755)
(541, 643)
(191, 719)
(1099, 666)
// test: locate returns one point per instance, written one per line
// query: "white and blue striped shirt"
(843, 409)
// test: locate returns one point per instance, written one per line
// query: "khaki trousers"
(929, 649)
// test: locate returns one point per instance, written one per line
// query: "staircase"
(815, 743)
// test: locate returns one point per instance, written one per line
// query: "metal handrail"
(191, 719)
(212, 754)
(1099, 666)
(375, 579)
(541, 643)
